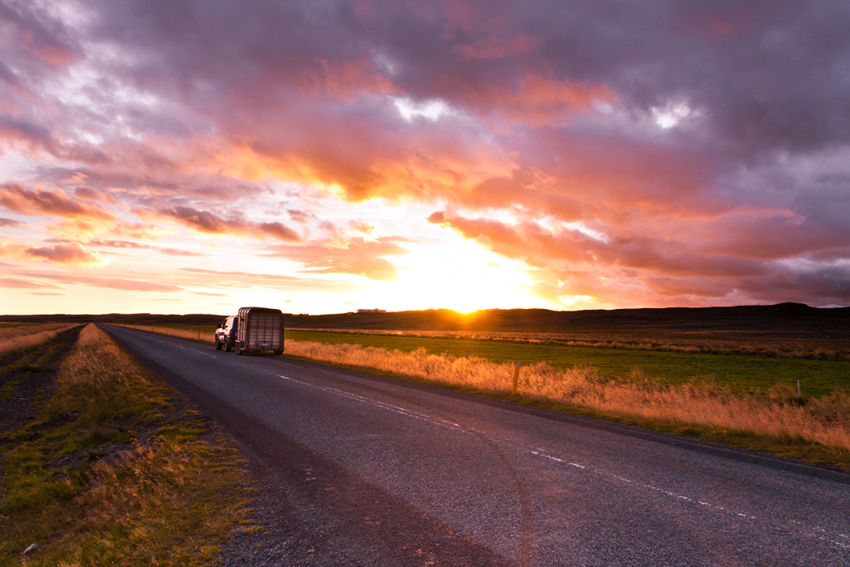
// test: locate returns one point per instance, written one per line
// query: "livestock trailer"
(259, 329)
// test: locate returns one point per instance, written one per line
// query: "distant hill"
(196, 320)
(782, 318)
(785, 319)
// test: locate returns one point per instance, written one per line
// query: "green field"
(742, 373)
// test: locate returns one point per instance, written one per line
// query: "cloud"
(16, 283)
(94, 195)
(177, 252)
(646, 271)
(497, 47)
(361, 226)
(51, 203)
(11, 223)
(302, 217)
(705, 145)
(108, 243)
(209, 223)
(125, 284)
(356, 256)
(231, 279)
(73, 253)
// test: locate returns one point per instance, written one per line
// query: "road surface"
(359, 470)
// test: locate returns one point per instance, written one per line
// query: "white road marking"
(815, 532)
(651, 487)
(557, 460)
(382, 405)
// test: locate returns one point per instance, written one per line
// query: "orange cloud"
(544, 248)
(62, 253)
(357, 256)
(543, 101)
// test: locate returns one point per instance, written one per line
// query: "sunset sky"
(192, 156)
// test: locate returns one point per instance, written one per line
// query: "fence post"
(799, 390)
(516, 379)
(714, 380)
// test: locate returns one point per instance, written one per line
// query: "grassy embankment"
(754, 404)
(114, 469)
(17, 336)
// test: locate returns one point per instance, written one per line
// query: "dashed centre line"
(382, 405)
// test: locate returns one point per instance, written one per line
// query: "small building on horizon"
(371, 310)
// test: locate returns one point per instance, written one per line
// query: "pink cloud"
(72, 253)
(210, 223)
(239, 279)
(51, 203)
(16, 283)
(496, 47)
(11, 223)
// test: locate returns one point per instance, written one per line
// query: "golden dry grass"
(16, 338)
(825, 421)
(97, 364)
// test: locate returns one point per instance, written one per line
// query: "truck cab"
(225, 335)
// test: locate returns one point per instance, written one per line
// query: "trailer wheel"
(279, 351)
(238, 350)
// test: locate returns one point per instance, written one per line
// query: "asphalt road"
(359, 470)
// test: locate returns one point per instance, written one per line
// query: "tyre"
(238, 350)
(228, 346)
(217, 345)
(279, 351)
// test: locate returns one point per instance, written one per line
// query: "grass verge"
(114, 470)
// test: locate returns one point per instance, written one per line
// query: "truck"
(259, 329)
(225, 335)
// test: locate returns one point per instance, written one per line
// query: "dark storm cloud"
(707, 142)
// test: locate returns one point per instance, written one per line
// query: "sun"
(457, 274)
